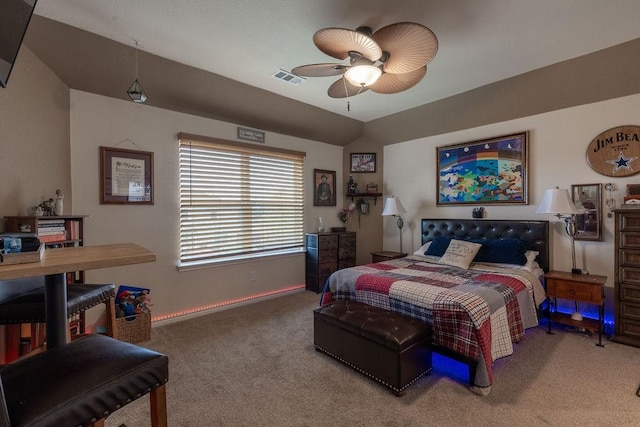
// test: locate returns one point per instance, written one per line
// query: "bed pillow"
(422, 249)
(502, 251)
(460, 253)
(438, 246)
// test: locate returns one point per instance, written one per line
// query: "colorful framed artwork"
(363, 162)
(588, 200)
(489, 171)
(324, 187)
(126, 176)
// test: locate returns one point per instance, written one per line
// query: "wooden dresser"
(326, 253)
(627, 277)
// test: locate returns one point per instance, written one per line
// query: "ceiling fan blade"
(320, 70)
(394, 83)
(342, 89)
(410, 46)
(338, 42)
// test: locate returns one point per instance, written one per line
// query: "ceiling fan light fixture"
(363, 75)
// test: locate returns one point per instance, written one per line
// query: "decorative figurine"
(58, 206)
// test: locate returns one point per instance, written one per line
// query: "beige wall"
(101, 121)
(557, 157)
(367, 227)
(34, 137)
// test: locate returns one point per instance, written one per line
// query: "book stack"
(51, 230)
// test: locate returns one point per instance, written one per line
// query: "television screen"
(14, 19)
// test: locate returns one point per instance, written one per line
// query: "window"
(238, 199)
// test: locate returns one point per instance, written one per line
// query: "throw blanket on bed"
(477, 313)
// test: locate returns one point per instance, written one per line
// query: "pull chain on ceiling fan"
(391, 60)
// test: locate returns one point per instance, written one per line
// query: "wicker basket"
(134, 329)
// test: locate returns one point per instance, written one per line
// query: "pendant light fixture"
(135, 92)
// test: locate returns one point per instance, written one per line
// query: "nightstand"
(386, 256)
(588, 288)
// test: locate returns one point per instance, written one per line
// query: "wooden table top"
(63, 260)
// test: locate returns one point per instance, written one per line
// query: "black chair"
(81, 383)
(22, 301)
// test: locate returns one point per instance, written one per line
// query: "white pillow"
(423, 249)
(460, 253)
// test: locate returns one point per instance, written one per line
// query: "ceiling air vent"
(288, 77)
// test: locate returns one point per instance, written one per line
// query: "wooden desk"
(56, 263)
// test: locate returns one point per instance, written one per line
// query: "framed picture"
(126, 176)
(324, 188)
(363, 162)
(588, 199)
(489, 171)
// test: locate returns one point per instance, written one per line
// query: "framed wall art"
(363, 162)
(588, 199)
(126, 176)
(324, 187)
(489, 171)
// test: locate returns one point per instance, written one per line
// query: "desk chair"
(81, 383)
(22, 301)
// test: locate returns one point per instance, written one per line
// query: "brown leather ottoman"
(387, 346)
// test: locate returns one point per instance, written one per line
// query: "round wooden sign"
(616, 152)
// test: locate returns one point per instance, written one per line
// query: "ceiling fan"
(391, 60)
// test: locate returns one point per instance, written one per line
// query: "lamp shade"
(557, 201)
(363, 75)
(392, 206)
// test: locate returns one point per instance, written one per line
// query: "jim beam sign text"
(616, 152)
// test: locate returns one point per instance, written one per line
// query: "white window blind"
(238, 199)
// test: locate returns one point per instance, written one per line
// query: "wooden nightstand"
(588, 288)
(386, 256)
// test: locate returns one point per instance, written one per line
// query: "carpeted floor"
(255, 365)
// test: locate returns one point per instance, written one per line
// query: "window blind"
(238, 199)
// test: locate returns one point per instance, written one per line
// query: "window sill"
(240, 259)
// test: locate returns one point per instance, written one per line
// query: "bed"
(477, 312)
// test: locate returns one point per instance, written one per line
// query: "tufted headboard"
(535, 234)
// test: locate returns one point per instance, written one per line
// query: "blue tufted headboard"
(535, 234)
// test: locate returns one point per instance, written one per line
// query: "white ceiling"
(480, 41)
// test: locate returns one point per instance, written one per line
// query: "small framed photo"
(126, 176)
(363, 162)
(324, 187)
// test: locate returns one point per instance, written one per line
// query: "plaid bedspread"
(474, 313)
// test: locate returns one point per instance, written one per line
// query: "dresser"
(326, 253)
(627, 277)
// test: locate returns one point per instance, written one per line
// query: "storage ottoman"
(392, 348)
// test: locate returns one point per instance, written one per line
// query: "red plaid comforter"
(475, 313)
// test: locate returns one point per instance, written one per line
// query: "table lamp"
(558, 202)
(393, 207)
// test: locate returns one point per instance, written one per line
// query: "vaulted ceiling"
(217, 58)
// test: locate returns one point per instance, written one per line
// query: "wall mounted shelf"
(358, 195)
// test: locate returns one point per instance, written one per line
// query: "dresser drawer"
(630, 311)
(628, 327)
(629, 293)
(629, 275)
(347, 239)
(565, 289)
(629, 239)
(629, 222)
(327, 268)
(629, 257)
(346, 253)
